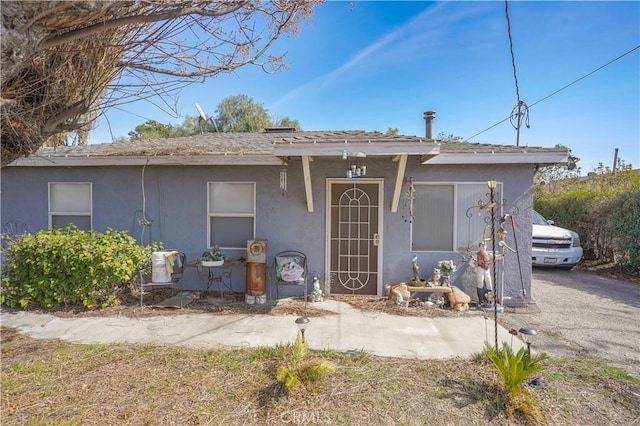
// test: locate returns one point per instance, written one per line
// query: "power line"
(513, 57)
(587, 75)
(559, 90)
(132, 113)
(515, 115)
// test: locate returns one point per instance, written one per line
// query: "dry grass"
(54, 382)
(234, 304)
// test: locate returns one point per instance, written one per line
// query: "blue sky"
(381, 64)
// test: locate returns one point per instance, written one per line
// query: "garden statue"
(435, 278)
(316, 294)
(416, 268)
(483, 276)
(399, 292)
(458, 300)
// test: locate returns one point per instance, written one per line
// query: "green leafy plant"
(514, 368)
(299, 371)
(214, 255)
(70, 267)
(447, 266)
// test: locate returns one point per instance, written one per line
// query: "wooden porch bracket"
(402, 165)
(307, 181)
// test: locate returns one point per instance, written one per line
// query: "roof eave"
(164, 160)
(356, 149)
(538, 158)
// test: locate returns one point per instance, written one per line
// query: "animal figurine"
(415, 268)
(458, 300)
(435, 277)
(399, 293)
(437, 300)
(316, 294)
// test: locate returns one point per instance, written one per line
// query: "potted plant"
(447, 267)
(213, 257)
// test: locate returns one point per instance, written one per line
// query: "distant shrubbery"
(70, 267)
(603, 209)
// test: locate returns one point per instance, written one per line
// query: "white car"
(554, 246)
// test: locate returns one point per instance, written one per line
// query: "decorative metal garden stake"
(492, 186)
(302, 322)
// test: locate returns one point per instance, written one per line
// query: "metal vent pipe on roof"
(429, 116)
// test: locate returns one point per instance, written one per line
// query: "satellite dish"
(203, 117)
(201, 112)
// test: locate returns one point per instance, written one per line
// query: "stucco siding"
(175, 200)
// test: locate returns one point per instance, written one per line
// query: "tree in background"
(286, 122)
(448, 137)
(557, 172)
(621, 166)
(64, 63)
(241, 114)
(152, 129)
(237, 113)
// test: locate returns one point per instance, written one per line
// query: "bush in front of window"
(70, 267)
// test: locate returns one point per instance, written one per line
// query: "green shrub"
(604, 210)
(70, 267)
(625, 222)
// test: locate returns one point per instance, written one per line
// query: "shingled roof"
(275, 147)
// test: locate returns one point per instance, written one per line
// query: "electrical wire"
(517, 113)
(133, 113)
(559, 90)
(513, 58)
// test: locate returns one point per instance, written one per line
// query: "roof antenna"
(203, 117)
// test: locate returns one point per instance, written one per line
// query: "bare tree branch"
(65, 62)
(177, 10)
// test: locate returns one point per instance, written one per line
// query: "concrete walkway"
(350, 330)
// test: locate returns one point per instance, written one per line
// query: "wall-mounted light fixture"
(355, 171)
(357, 168)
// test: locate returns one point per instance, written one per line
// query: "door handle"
(376, 239)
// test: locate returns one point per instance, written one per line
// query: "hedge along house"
(414, 196)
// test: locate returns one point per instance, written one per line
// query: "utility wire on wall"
(557, 91)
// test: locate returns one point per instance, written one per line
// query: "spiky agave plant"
(514, 368)
(300, 371)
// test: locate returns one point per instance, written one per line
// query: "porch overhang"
(398, 151)
(355, 149)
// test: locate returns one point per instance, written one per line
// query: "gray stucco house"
(414, 196)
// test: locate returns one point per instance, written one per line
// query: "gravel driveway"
(577, 312)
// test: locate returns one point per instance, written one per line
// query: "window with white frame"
(231, 207)
(70, 203)
(446, 216)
